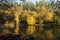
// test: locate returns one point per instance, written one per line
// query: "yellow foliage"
(58, 10)
(25, 13)
(17, 23)
(13, 8)
(6, 11)
(4, 32)
(30, 20)
(1, 10)
(17, 17)
(16, 30)
(34, 14)
(30, 30)
(43, 8)
(49, 34)
(49, 15)
(11, 25)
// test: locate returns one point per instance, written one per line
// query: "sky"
(33, 0)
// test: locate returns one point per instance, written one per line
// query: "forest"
(32, 21)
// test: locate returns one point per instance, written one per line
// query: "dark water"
(17, 37)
